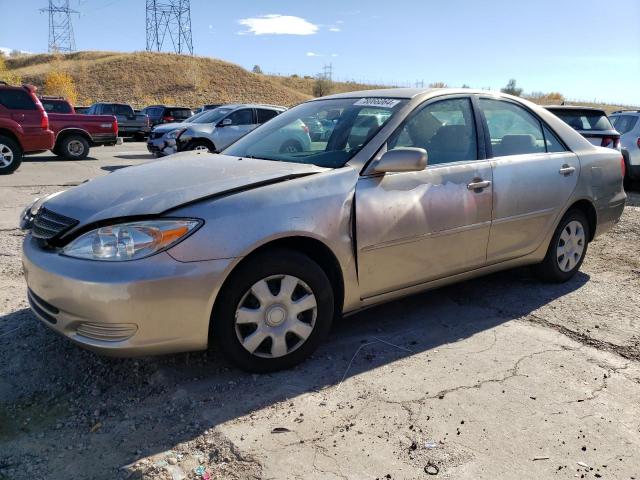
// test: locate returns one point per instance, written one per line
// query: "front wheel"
(10, 155)
(567, 249)
(291, 146)
(199, 146)
(74, 147)
(273, 312)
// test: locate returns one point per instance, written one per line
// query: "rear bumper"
(37, 142)
(130, 131)
(104, 138)
(150, 306)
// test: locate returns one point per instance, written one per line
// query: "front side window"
(16, 100)
(326, 133)
(512, 129)
(445, 129)
(242, 117)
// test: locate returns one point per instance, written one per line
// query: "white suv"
(627, 122)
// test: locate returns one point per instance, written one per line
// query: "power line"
(172, 19)
(61, 37)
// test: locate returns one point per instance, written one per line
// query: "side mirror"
(407, 159)
(226, 122)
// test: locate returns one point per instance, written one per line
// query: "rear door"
(414, 227)
(21, 108)
(534, 176)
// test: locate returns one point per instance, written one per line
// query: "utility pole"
(61, 37)
(420, 84)
(327, 72)
(170, 18)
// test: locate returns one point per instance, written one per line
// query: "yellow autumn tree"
(61, 84)
(7, 75)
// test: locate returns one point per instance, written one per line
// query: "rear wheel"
(273, 312)
(291, 146)
(74, 147)
(567, 249)
(10, 155)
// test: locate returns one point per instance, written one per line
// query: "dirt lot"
(497, 378)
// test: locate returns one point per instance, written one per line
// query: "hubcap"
(201, 148)
(75, 147)
(276, 316)
(6, 155)
(570, 246)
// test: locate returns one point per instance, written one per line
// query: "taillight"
(616, 143)
(638, 142)
(305, 128)
(44, 120)
(606, 141)
(623, 167)
(168, 119)
(114, 125)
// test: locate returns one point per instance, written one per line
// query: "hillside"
(143, 78)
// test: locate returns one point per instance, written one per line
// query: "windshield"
(211, 116)
(326, 133)
(584, 119)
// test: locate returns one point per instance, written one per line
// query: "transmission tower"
(170, 18)
(60, 28)
(327, 71)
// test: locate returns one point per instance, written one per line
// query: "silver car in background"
(258, 249)
(627, 122)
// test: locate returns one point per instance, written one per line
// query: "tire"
(291, 146)
(10, 155)
(200, 145)
(627, 183)
(573, 230)
(74, 147)
(276, 346)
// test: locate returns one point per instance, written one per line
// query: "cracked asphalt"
(497, 378)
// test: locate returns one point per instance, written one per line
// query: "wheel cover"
(6, 155)
(570, 246)
(201, 148)
(75, 148)
(291, 148)
(272, 325)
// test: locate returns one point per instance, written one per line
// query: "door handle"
(478, 185)
(566, 170)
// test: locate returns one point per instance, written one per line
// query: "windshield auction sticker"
(377, 102)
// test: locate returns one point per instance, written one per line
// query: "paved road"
(497, 378)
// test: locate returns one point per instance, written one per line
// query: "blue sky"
(586, 49)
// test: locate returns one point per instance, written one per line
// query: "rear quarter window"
(16, 100)
(624, 123)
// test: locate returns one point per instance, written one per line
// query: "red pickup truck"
(76, 133)
(24, 126)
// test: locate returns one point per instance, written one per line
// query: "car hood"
(168, 127)
(156, 187)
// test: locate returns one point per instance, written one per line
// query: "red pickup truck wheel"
(74, 147)
(10, 155)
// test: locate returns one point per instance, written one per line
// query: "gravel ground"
(499, 377)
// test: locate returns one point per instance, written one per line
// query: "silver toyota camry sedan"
(258, 249)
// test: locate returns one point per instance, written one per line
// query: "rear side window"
(56, 107)
(265, 115)
(551, 141)
(178, 113)
(584, 119)
(16, 100)
(445, 129)
(624, 123)
(512, 129)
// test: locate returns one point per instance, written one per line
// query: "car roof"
(252, 105)
(626, 112)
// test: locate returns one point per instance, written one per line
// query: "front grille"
(48, 224)
(41, 312)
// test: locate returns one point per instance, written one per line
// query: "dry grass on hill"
(143, 78)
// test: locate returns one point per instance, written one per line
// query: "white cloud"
(277, 25)
(315, 54)
(334, 29)
(7, 51)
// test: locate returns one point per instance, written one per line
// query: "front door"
(242, 122)
(413, 227)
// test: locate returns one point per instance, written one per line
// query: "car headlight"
(130, 241)
(173, 134)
